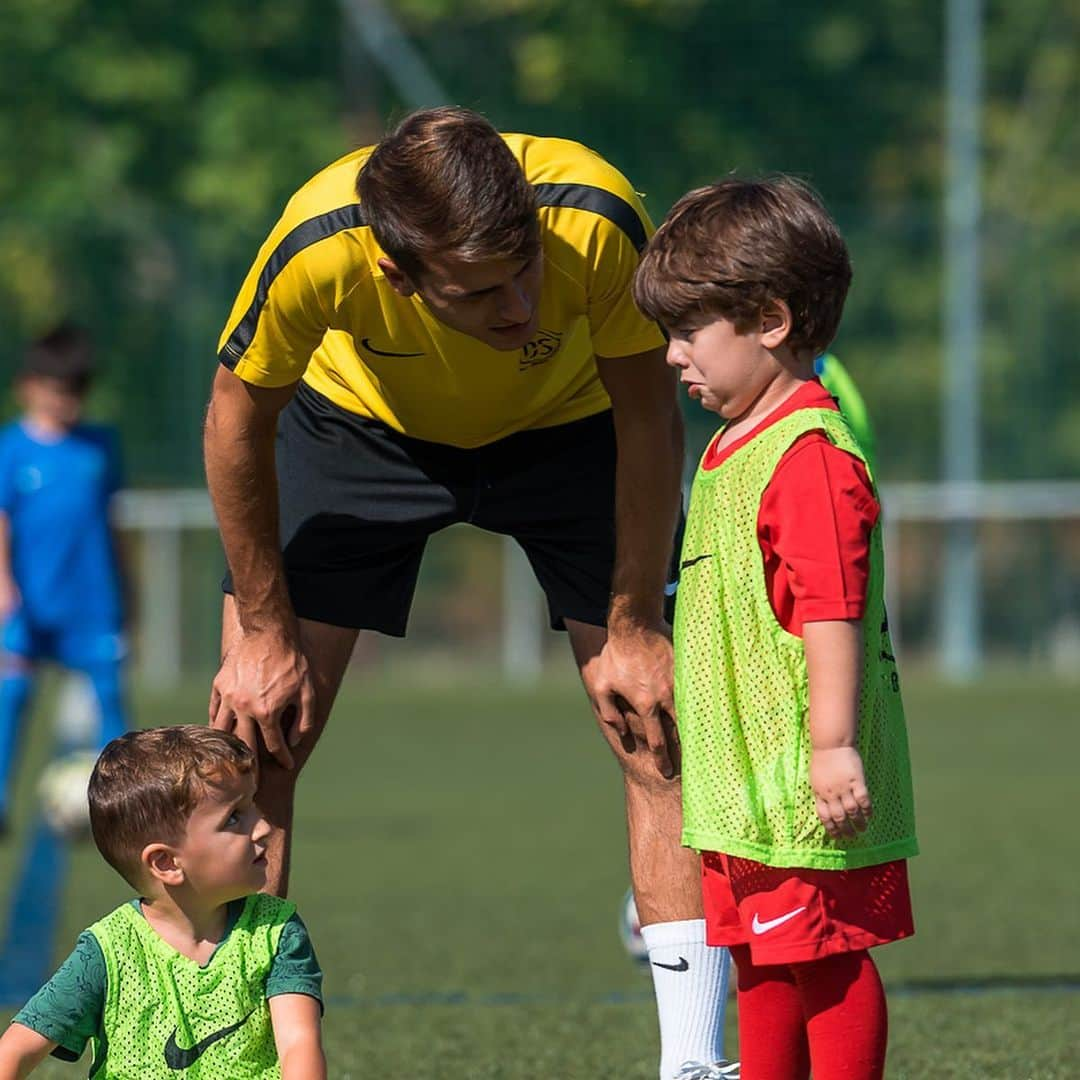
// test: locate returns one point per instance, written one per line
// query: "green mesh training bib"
(741, 684)
(165, 1016)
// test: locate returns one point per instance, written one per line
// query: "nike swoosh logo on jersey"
(760, 927)
(178, 1059)
(696, 559)
(366, 342)
(682, 965)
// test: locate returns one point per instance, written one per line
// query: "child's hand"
(843, 802)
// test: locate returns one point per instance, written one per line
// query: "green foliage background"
(146, 148)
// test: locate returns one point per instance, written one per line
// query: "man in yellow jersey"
(440, 329)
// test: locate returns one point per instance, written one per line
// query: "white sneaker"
(718, 1070)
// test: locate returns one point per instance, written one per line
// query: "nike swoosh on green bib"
(177, 1058)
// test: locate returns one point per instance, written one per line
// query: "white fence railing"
(161, 517)
(948, 504)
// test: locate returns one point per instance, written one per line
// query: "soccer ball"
(630, 930)
(62, 791)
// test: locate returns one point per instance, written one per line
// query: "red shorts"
(790, 915)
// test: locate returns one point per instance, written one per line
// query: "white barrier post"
(161, 517)
(522, 644)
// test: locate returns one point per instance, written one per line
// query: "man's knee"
(640, 766)
(276, 791)
(274, 777)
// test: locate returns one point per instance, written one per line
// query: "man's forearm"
(647, 495)
(241, 477)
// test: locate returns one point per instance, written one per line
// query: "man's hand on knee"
(631, 685)
(664, 749)
(264, 683)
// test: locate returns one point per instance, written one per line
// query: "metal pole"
(390, 49)
(960, 610)
(160, 635)
(522, 644)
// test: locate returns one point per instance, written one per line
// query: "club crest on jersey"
(540, 350)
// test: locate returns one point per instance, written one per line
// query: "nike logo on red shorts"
(760, 927)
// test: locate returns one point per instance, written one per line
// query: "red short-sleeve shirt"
(814, 523)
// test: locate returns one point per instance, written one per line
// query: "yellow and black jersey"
(316, 306)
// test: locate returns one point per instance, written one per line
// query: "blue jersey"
(56, 496)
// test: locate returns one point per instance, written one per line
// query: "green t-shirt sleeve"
(838, 381)
(295, 968)
(68, 1009)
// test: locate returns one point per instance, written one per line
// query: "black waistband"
(317, 407)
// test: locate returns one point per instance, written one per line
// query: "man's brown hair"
(146, 784)
(729, 249)
(444, 180)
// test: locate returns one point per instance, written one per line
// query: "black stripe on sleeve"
(304, 235)
(597, 200)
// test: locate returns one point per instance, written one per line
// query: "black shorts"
(358, 501)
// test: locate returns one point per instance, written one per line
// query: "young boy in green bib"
(796, 776)
(201, 975)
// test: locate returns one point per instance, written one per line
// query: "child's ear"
(161, 864)
(776, 324)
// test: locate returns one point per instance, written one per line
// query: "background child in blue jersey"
(201, 974)
(61, 594)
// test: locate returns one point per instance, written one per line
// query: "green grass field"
(460, 859)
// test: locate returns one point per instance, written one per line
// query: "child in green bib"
(201, 975)
(796, 775)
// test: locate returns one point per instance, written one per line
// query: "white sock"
(691, 982)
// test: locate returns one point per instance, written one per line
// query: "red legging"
(828, 1015)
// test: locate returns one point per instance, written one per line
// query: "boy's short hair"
(444, 181)
(146, 784)
(64, 353)
(729, 249)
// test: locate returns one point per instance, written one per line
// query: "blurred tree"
(679, 92)
(145, 149)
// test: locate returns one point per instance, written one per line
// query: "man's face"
(496, 302)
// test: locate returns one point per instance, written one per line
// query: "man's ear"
(399, 280)
(776, 324)
(159, 861)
